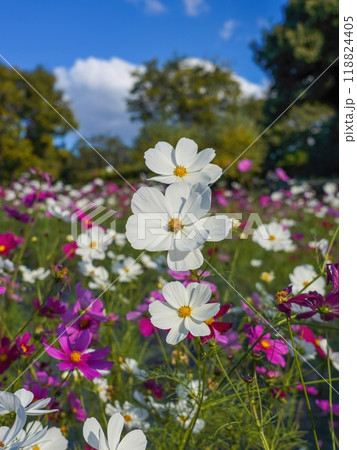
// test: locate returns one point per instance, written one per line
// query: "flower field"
(177, 312)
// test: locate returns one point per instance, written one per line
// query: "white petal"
(25, 397)
(197, 204)
(181, 261)
(201, 160)
(9, 402)
(177, 334)
(205, 312)
(175, 294)
(186, 150)
(91, 430)
(197, 328)
(197, 177)
(146, 231)
(190, 238)
(134, 440)
(176, 196)
(213, 171)
(218, 226)
(148, 199)
(163, 315)
(160, 159)
(167, 179)
(199, 294)
(115, 428)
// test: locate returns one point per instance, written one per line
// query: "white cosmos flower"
(9, 402)
(273, 237)
(185, 311)
(30, 276)
(134, 417)
(182, 163)
(93, 243)
(14, 438)
(131, 366)
(184, 412)
(256, 262)
(175, 222)
(302, 276)
(51, 440)
(101, 386)
(127, 268)
(95, 437)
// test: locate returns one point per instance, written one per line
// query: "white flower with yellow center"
(175, 222)
(185, 311)
(127, 268)
(273, 237)
(182, 163)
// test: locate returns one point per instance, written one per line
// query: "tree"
(295, 53)
(29, 128)
(199, 100)
(183, 91)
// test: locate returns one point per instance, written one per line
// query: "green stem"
(230, 382)
(297, 361)
(332, 427)
(256, 419)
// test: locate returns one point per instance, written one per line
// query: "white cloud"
(98, 90)
(151, 6)
(228, 29)
(195, 7)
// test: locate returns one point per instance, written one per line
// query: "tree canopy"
(30, 130)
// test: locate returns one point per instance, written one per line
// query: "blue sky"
(60, 34)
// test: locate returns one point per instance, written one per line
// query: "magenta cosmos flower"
(274, 349)
(8, 241)
(8, 354)
(245, 165)
(333, 276)
(77, 355)
(282, 174)
(217, 327)
(327, 307)
(22, 344)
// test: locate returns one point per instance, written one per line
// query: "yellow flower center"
(2, 444)
(209, 321)
(126, 270)
(75, 356)
(127, 418)
(182, 418)
(2, 248)
(272, 237)
(265, 276)
(281, 297)
(305, 283)
(180, 171)
(36, 447)
(185, 311)
(3, 357)
(93, 244)
(83, 323)
(265, 344)
(175, 224)
(23, 348)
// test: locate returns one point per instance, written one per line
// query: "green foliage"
(294, 54)
(185, 93)
(29, 127)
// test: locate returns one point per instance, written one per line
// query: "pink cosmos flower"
(8, 241)
(188, 277)
(8, 354)
(333, 276)
(16, 214)
(52, 308)
(245, 165)
(70, 249)
(282, 174)
(22, 344)
(325, 406)
(89, 320)
(2, 289)
(309, 389)
(76, 407)
(77, 356)
(274, 349)
(142, 312)
(229, 342)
